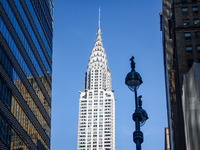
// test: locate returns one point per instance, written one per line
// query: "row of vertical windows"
(188, 35)
(95, 116)
(46, 27)
(96, 85)
(47, 13)
(6, 94)
(96, 70)
(189, 49)
(185, 10)
(95, 119)
(33, 37)
(89, 110)
(43, 12)
(17, 54)
(39, 28)
(12, 73)
(90, 103)
(186, 22)
(21, 117)
(21, 35)
(22, 89)
(6, 63)
(26, 123)
(9, 136)
(14, 49)
(9, 39)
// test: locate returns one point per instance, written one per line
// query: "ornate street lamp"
(133, 81)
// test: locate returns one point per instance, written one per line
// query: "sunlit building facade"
(26, 31)
(96, 126)
(180, 24)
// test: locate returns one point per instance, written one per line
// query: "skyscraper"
(96, 126)
(181, 44)
(26, 31)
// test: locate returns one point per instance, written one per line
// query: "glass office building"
(26, 31)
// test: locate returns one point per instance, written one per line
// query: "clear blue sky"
(129, 27)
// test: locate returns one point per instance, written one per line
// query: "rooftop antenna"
(99, 16)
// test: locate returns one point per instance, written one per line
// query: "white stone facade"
(96, 125)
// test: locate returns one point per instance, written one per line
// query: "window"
(187, 36)
(185, 10)
(197, 35)
(195, 10)
(198, 48)
(186, 23)
(196, 22)
(188, 49)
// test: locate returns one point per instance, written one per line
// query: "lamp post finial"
(132, 63)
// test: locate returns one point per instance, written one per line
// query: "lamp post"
(133, 81)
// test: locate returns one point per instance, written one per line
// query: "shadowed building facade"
(96, 125)
(26, 31)
(180, 26)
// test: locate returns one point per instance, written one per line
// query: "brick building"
(180, 25)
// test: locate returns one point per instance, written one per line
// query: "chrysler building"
(96, 125)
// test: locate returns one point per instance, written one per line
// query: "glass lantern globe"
(133, 80)
(144, 116)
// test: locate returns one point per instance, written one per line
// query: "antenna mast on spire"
(99, 16)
